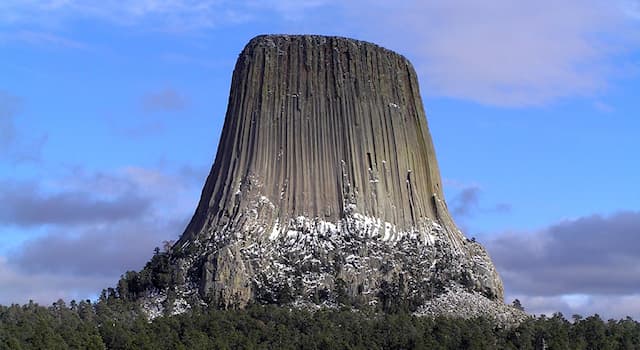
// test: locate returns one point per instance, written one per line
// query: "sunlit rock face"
(325, 189)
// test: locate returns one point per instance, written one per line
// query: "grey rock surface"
(325, 188)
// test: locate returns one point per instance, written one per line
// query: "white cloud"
(503, 53)
(165, 15)
(493, 52)
(290, 9)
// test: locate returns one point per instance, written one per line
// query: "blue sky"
(110, 115)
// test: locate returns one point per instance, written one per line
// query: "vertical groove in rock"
(325, 172)
(302, 105)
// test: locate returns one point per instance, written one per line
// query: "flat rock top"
(311, 40)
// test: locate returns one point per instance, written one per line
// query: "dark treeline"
(114, 324)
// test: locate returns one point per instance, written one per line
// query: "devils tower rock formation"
(325, 190)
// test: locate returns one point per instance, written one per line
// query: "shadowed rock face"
(325, 187)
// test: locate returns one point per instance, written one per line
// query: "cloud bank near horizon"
(91, 230)
(584, 265)
(581, 266)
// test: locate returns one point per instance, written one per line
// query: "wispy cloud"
(503, 53)
(165, 100)
(165, 15)
(207, 63)
(154, 108)
(466, 201)
(9, 106)
(632, 8)
(41, 38)
(14, 146)
(496, 53)
(293, 10)
(603, 107)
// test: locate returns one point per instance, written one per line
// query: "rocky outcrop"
(325, 188)
(458, 303)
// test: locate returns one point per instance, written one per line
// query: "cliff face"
(325, 188)
(322, 124)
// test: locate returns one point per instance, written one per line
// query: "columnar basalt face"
(325, 126)
(325, 186)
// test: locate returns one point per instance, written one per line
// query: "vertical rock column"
(325, 126)
(325, 130)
